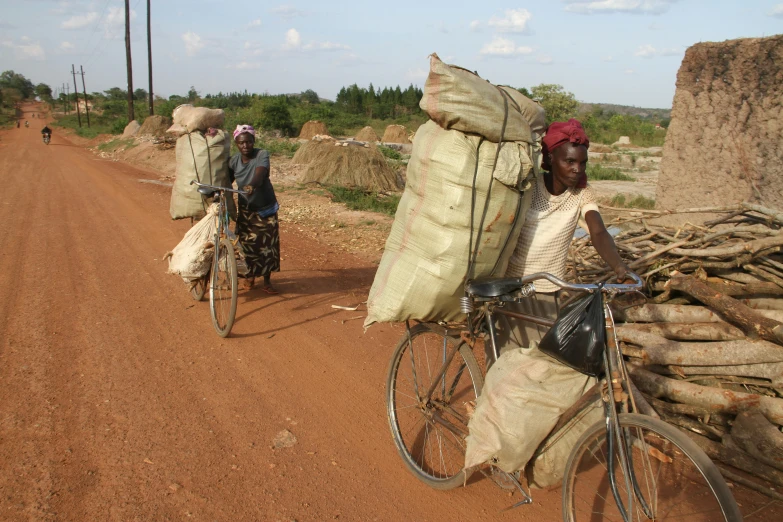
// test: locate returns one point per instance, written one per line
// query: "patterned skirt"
(260, 239)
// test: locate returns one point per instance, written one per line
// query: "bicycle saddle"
(493, 287)
(208, 192)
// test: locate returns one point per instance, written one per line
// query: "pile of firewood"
(706, 351)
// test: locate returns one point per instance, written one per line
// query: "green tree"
(524, 91)
(117, 94)
(310, 96)
(276, 116)
(140, 95)
(43, 91)
(12, 80)
(559, 104)
(192, 94)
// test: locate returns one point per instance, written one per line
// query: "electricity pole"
(86, 107)
(131, 113)
(149, 56)
(76, 94)
(67, 97)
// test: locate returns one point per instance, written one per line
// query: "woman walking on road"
(257, 225)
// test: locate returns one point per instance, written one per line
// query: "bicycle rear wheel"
(430, 431)
(199, 287)
(223, 287)
(675, 479)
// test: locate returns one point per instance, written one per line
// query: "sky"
(604, 51)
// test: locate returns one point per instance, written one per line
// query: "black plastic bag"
(578, 337)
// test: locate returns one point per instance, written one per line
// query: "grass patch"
(317, 192)
(637, 201)
(113, 145)
(356, 199)
(99, 124)
(389, 153)
(596, 172)
(368, 223)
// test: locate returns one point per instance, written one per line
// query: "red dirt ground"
(119, 401)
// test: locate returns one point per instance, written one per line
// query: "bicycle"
(625, 467)
(222, 276)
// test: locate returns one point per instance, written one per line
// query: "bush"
(597, 172)
(389, 152)
(637, 201)
(356, 199)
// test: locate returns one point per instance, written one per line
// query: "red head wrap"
(559, 133)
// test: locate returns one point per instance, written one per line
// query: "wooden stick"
(755, 435)
(687, 331)
(742, 481)
(751, 322)
(742, 248)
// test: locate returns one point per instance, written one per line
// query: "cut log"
(640, 400)
(751, 247)
(688, 331)
(736, 458)
(763, 303)
(751, 322)
(665, 313)
(674, 408)
(755, 435)
(664, 351)
(742, 481)
(711, 399)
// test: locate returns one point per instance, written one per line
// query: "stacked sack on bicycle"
(202, 154)
(479, 151)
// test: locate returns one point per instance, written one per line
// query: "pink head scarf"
(242, 129)
(560, 133)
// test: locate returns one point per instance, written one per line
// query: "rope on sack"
(474, 248)
(195, 166)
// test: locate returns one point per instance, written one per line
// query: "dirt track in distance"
(119, 401)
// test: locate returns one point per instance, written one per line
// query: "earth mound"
(155, 125)
(395, 134)
(367, 134)
(347, 166)
(313, 128)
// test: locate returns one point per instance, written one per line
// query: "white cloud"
(648, 51)
(26, 50)
(619, 6)
(114, 23)
(80, 21)
(325, 46)
(475, 26)
(254, 24)
(417, 74)
(292, 39)
(504, 47)
(66, 46)
(193, 43)
(287, 11)
(630, 71)
(607, 59)
(293, 42)
(544, 59)
(777, 11)
(244, 66)
(514, 21)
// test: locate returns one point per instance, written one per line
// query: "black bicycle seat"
(206, 191)
(493, 287)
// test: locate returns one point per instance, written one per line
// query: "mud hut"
(395, 134)
(350, 166)
(367, 134)
(723, 144)
(155, 125)
(313, 128)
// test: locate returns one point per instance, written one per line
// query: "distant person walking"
(257, 225)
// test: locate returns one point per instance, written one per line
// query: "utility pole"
(86, 107)
(131, 113)
(67, 97)
(149, 56)
(76, 94)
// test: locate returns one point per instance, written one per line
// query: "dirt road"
(119, 402)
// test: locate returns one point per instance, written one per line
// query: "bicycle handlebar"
(222, 189)
(580, 287)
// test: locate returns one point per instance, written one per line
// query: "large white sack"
(458, 99)
(202, 158)
(192, 257)
(425, 262)
(198, 118)
(524, 395)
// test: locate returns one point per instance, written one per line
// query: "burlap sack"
(198, 118)
(192, 257)
(205, 159)
(425, 262)
(456, 98)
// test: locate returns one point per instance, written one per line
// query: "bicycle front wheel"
(223, 288)
(671, 478)
(429, 430)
